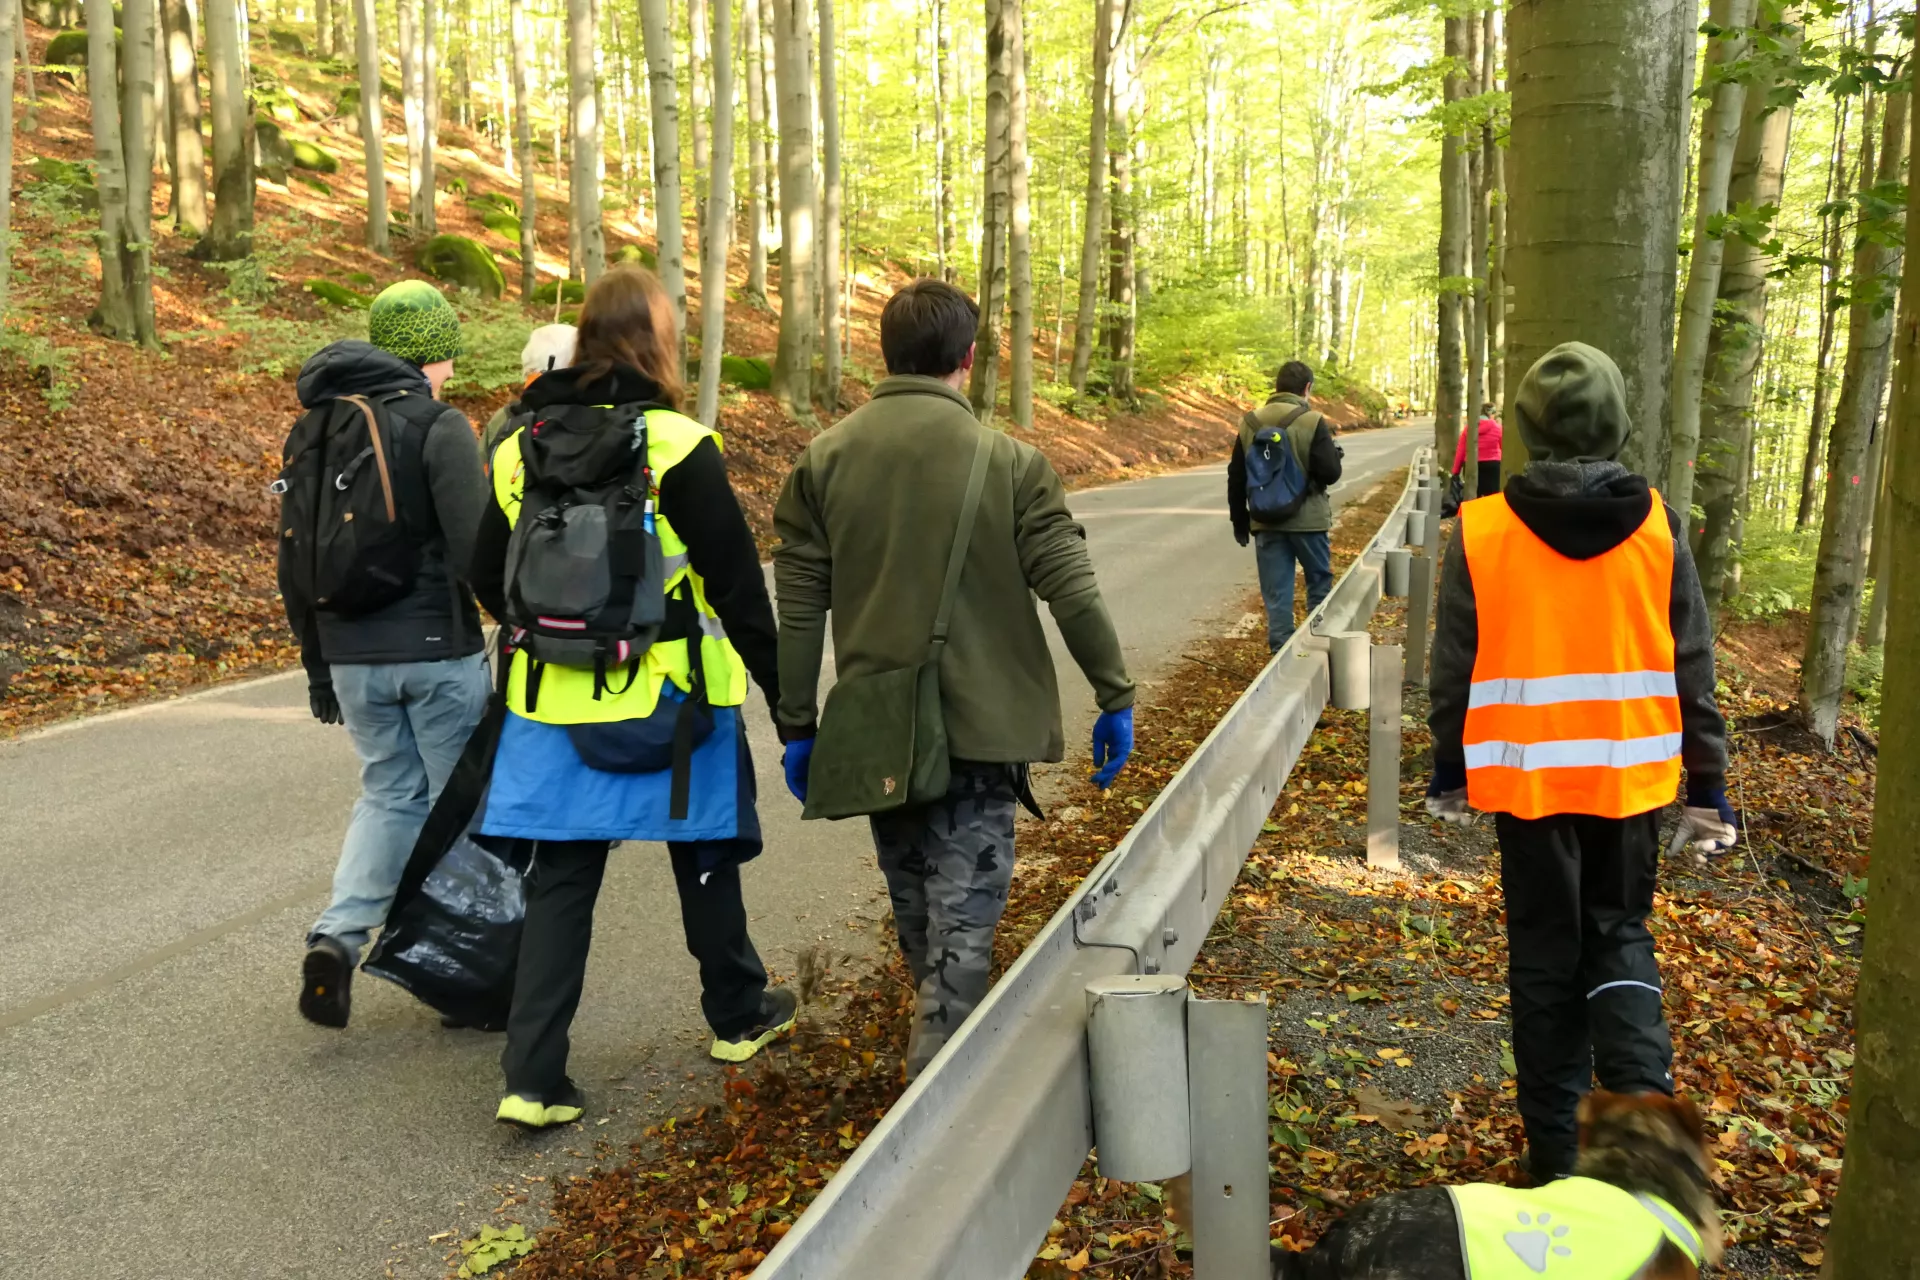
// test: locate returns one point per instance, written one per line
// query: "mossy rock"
(575, 291)
(310, 155)
(73, 179)
(457, 186)
(362, 278)
(486, 200)
(337, 294)
(287, 41)
(348, 103)
(276, 153)
(68, 49)
(636, 255)
(312, 180)
(749, 373)
(504, 224)
(466, 264)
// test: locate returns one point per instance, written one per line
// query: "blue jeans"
(409, 722)
(1275, 553)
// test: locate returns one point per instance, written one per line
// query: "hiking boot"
(778, 1009)
(452, 1023)
(542, 1111)
(326, 982)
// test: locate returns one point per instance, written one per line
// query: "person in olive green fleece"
(1304, 535)
(866, 524)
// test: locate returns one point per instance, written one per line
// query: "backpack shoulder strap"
(962, 538)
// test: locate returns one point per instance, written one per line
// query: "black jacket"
(695, 498)
(437, 465)
(1581, 510)
(1322, 465)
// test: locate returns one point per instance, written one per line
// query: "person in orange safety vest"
(1572, 680)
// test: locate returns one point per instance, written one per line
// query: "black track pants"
(1581, 968)
(562, 886)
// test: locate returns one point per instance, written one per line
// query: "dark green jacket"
(1313, 447)
(866, 523)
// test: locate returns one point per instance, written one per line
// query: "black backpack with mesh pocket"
(346, 543)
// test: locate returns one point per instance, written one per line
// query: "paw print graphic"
(1540, 1243)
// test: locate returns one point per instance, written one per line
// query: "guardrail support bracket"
(1383, 758)
(1137, 1059)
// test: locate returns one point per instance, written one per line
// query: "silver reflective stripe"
(674, 565)
(711, 626)
(1579, 753)
(1546, 691)
(1623, 982)
(1678, 1229)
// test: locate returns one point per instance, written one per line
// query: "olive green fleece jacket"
(866, 524)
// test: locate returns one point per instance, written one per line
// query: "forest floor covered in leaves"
(1389, 1055)
(136, 530)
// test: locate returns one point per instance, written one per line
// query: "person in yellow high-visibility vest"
(563, 777)
(1572, 678)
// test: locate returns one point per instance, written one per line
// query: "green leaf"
(737, 1192)
(492, 1247)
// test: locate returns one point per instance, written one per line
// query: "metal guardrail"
(967, 1170)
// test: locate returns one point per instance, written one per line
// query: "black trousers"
(562, 886)
(1580, 968)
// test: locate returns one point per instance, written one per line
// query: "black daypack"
(585, 579)
(347, 546)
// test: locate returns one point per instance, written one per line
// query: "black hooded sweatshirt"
(1581, 510)
(439, 476)
(695, 498)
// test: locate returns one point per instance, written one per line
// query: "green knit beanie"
(414, 320)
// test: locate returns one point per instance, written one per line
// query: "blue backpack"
(1276, 483)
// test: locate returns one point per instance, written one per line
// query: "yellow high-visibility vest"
(566, 694)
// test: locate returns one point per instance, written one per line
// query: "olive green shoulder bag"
(883, 739)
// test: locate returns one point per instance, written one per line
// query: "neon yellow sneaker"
(533, 1111)
(778, 1011)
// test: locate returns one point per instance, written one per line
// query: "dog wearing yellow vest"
(1639, 1207)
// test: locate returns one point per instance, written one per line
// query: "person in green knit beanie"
(414, 321)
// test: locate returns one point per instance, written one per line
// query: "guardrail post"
(1137, 1060)
(1396, 572)
(1423, 497)
(1383, 758)
(1348, 653)
(1227, 1068)
(1417, 528)
(1419, 614)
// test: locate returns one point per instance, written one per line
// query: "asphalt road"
(166, 1112)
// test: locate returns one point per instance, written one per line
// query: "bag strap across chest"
(962, 540)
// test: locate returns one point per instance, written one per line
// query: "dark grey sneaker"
(326, 983)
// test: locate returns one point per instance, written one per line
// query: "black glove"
(1242, 534)
(322, 702)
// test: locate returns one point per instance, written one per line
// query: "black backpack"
(585, 576)
(346, 545)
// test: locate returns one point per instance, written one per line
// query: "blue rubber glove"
(1112, 744)
(796, 758)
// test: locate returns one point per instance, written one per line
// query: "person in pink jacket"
(1488, 454)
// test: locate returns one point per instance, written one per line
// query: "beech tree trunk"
(26, 65)
(792, 27)
(1122, 241)
(189, 199)
(139, 20)
(983, 386)
(1852, 478)
(1450, 391)
(429, 72)
(8, 27)
(1094, 228)
(231, 234)
(697, 120)
(1830, 225)
(713, 277)
(322, 29)
(1020, 211)
(413, 109)
(831, 229)
(1497, 234)
(366, 50)
(656, 33)
(1474, 311)
(1600, 120)
(1877, 1218)
(942, 145)
(756, 156)
(1720, 134)
(523, 145)
(114, 314)
(1734, 347)
(584, 182)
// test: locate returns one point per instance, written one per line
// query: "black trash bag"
(452, 936)
(1455, 495)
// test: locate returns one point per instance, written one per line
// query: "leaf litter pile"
(708, 1192)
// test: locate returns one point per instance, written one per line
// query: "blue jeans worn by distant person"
(409, 722)
(1275, 554)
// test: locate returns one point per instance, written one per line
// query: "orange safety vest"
(1574, 707)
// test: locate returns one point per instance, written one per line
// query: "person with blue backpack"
(1283, 463)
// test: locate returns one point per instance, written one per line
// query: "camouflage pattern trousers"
(948, 865)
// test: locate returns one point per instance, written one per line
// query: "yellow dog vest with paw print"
(1572, 1229)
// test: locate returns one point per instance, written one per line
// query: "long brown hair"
(627, 321)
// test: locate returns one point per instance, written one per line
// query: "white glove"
(1706, 831)
(1451, 806)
